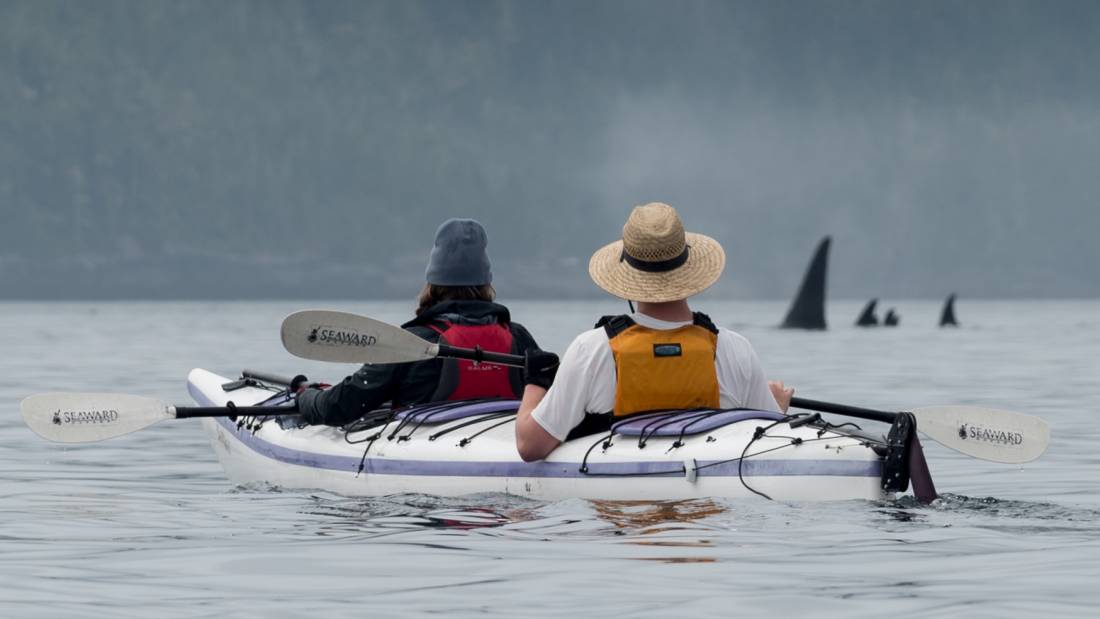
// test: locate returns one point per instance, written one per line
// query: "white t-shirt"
(585, 382)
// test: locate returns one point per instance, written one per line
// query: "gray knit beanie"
(458, 256)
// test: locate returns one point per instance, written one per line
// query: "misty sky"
(221, 149)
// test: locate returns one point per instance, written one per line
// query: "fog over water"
(299, 149)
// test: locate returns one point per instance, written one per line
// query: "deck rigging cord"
(422, 416)
(759, 433)
(466, 441)
(363, 424)
(469, 422)
(389, 416)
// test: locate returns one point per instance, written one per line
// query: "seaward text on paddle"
(990, 435)
(340, 337)
(99, 417)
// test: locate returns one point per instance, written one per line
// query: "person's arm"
(351, 398)
(532, 441)
(753, 389)
(547, 414)
(758, 393)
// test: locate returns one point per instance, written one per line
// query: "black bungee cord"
(761, 432)
(756, 435)
(466, 441)
(369, 441)
(366, 423)
(469, 422)
(422, 416)
(373, 419)
(606, 439)
(693, 416)
(679, 442)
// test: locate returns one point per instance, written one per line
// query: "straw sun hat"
(656, 261)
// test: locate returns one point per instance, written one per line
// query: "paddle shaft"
(273, 379)
(472, 354)
(191, 412)
(842, 409)
(816, 405)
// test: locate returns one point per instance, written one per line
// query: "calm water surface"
(147, 525)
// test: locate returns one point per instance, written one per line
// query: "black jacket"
(407, 383)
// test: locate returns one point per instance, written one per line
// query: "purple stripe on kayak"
(752, 467)
(452, 411)
(695, 422)
(443, 468)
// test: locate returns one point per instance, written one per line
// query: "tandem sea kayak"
(458, 448)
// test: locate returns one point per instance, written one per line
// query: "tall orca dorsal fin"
(947, 318)
(891, 319)
(808, 308)
(867, 317)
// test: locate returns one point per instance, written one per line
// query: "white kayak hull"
(832, 466)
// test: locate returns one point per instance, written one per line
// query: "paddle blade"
(989, 434)
(88, 417)
(341, 337)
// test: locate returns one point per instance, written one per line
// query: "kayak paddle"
(983, 433)
(343, 337)
(88, 417)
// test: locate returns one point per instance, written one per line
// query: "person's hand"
(539, 368)
(781, 393)
(298, 384)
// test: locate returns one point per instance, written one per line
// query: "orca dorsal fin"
(891, 319)
(867, 317)
(947, 318)
(808, 308)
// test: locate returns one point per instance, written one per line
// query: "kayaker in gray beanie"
(454, 307)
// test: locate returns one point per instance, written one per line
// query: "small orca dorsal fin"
(891, 319)
(867, 317)
(808, 308)
(947, 318)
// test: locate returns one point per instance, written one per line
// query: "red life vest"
(462, 379)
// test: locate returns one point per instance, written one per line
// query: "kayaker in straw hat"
(662, 356)
(455, 307)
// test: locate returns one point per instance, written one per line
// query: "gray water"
(147, 524)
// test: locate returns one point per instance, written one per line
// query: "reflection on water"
(648, 517)
(677, 524)
(677, 559)
(657, 524)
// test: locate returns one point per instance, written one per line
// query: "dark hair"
(433, 294)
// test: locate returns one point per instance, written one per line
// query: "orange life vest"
(660, 369)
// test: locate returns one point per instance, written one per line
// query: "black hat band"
(659, 266)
